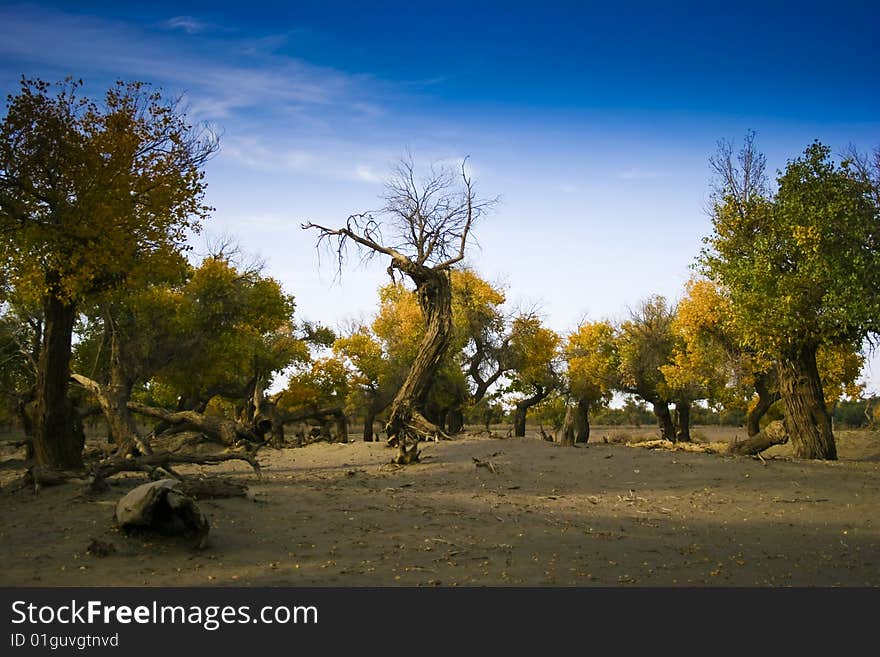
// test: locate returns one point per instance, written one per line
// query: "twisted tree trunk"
(806, 416)
(262, 414)
(405, 421)
(767, 387)
(519, 413)
(113, 398)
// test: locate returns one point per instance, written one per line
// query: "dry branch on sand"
(711, 448)
(95, 476)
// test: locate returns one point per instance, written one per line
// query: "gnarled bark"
(767, 387)
(806, 417)
(263, 415)
(56, 441)
(576, 426)
(226, 431)
(113, 400)
(773, 434)
(405, 420)
(664, 420)
(432, 222)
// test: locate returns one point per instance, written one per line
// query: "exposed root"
(406, 456)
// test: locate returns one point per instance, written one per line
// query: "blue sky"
(593, 122)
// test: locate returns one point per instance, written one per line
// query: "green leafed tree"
(645, 343)
(801, 267)
(220, 330)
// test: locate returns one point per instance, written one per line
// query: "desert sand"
(532, 513)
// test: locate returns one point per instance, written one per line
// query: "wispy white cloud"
(367, 174)
(217, 75)
(332, 159)
(188, 24)
(276, 113)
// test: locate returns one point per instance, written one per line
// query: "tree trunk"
(454, 420)
(683, 415)
(568, 430)
(519, 413)
(405, 420)
(369, 419)
(576, 426)
(806, 417)
(263, 414)
(341, 428)
(582, 425)
(483, 386)
(56, 443)
(767, 388)
(773, 434)
(664, 420)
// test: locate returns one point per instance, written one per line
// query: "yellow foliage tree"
(592, 359)
(88, 190)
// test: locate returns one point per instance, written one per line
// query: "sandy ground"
(542, 515)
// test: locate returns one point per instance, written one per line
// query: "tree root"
(407, 456)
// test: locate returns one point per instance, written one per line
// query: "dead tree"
(228, 432)
(427, 224)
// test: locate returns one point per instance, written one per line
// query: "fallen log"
(204, 488)
(150, 462)
(773, 434)
(95, 476)
(226, 431)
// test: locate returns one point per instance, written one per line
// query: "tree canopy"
(801, 268)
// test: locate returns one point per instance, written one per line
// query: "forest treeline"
(106, 313)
